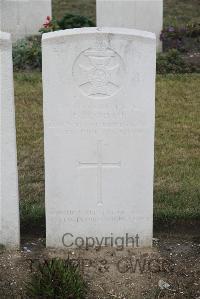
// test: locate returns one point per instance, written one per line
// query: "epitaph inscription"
(99, 72)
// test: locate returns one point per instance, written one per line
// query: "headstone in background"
(138, 14)
(23, 17)
(9, 200)
(99, 93)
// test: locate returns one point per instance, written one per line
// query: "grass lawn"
(181, 12)
(177, 12)
(177, 162)
(28, 92)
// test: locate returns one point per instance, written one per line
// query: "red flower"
(48, 22)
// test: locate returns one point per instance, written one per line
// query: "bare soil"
(110, 273)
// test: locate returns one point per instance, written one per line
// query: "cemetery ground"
(112, 273)
(170, 270)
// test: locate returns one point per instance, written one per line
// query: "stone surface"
(99, 93)
(9, 201)
(23, 17)
(138, 14)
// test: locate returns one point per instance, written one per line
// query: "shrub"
(172, 62)
(56, 278)
(27, 53)
(183, 39)
(67, 22)
(190, 30)
(74, 21)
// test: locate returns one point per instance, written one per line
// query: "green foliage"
(74, 21)
(57, 278)
(173, 62)
(68, 21)
(27, 53)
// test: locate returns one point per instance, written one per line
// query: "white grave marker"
(23, 17)
(9, 201)
(99, 93)
(138, 14)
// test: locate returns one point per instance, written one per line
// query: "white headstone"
(138, 14)
(9, 201)
(99, 92)
(23, 17)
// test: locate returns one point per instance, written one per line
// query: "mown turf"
(177, 167)
(181, 12)
(177, 162)
(28, 97)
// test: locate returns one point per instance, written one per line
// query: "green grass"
(181, 12)
(177, 167)
(28, 92)
(177, 163)
(177, 12)
(57, 278)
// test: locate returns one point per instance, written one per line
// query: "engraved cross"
(99, 165)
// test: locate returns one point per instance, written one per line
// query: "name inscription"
(92, 120)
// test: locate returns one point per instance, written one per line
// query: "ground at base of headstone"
(170, 270)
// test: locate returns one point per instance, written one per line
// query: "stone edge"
(48, 37)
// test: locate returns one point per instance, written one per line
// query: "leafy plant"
(74, 21)
(27, 53)
(172, 62)
(67, 22)
(57, 278)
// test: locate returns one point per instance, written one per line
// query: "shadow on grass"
(32, 217)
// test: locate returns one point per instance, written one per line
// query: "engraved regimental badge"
(99, 72)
